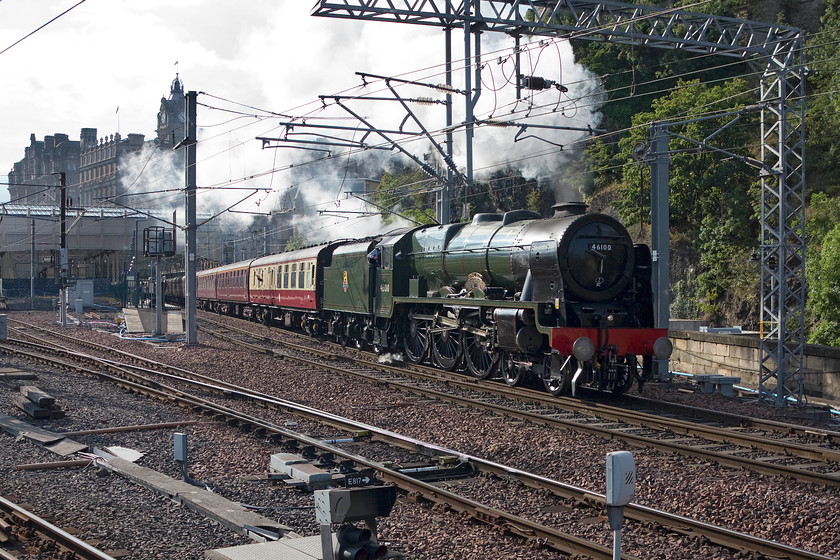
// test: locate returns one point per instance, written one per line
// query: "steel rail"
(77, 547)
(655, 421)
(544, 536)
(775, 426)
(605, 410)
(718, 535)
(642, 419)
(714, 434)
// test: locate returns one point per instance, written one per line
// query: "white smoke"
(391, 357)
(152, 178)
(273, 56)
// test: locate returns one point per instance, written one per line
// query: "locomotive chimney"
(565, 209)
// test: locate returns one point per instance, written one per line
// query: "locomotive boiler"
(566, 300)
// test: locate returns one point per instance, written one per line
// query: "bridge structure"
(777, 50)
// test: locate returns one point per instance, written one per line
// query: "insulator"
(424, 100)
(446, 88)
(495, 122)
(536, 82)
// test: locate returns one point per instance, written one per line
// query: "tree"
(824, 291)
(821, 270)
(822, 261)
(296, 241)
(405, 191)
(823, 107)
(713, 196)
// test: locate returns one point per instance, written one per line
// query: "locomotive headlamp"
(662, 348)
(583, 349)
(610, 318)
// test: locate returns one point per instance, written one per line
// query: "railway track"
(32, 535)
(777, 456)
(128, 376)
(546, 536)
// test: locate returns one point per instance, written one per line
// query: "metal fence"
(13, 288)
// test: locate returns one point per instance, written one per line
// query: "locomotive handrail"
(476, 250)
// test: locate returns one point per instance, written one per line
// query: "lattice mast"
(778, 48)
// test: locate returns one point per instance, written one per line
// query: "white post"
(621, 484)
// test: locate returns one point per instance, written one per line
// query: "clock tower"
(171, 117)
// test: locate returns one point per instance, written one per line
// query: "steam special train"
(566, 299)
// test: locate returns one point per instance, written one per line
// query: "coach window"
(285, 276)
(301, 276)
(294, 276)
(312, 277)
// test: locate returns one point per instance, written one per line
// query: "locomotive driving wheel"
(446, 348)
(481, 361)
(512, 373)
(416, 341)
(557, 374)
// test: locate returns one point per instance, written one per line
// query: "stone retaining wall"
(737, 355)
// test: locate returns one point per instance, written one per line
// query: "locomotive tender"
(567, 299)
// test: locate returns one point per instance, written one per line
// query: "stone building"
(104, 226)
(171, 119)
(97, 170)
(101, 169)
(32, 179)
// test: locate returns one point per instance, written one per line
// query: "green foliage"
(823, 215)
(403, 192)
(823, 104)
(538, 200)
(604, 163)
(822, 262)
(684, 304)
(824, 294)
(711, 193)
(822, 270)
(634, 76)
(506, 189)
(701, 183)
(296, 241)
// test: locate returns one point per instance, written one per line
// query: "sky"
(106, 64)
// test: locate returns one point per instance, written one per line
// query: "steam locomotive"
(565, 300)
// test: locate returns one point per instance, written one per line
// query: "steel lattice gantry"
(777, 49)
